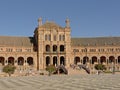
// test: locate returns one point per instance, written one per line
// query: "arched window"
(60, 38)
(63, 37)
(47, 48)
(61, 48)
(49, 37)
(54, 48)
(45, 37)
(55, 38)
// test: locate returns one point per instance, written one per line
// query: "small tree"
(100, 67)
(51, 69)
(10, 69)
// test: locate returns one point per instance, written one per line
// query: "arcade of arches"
(55, 60)
(55, 48)
(20, 61)
(94, 60)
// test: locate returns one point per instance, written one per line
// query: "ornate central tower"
(53, 44)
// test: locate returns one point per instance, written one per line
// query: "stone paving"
(62, 82)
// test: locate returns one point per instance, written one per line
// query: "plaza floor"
(62, 82)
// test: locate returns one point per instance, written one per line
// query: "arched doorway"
(61, 48)
(102, 59)
(20, 61)
(54, 48)
(47, 48)
(62, 60)
(118, 59)
(111, 59)
(30, 61)
(85, 59)
(94, 59)
(11, 60)
(77, 60)
(2, 60)
(47, 60)
(54, 60)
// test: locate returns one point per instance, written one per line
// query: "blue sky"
(88, 18)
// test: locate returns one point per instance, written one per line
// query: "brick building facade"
(53, 44)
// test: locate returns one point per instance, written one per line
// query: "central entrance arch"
(47, 60)
(62, 60)
(55, 60)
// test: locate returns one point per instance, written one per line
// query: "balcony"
(55, 52)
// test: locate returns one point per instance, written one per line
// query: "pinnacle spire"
(39, 21)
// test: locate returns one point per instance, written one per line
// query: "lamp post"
(86, 55)
(113, 68)
(64, 63)
(74, 56)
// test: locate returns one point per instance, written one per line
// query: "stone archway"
(77, 60)
(62, 60)
(20, 61)
(2, 60)
(30, 61)
(94, 60)
(85, 59)
(55, 60)
(47, 60)
(111, 59)
(11, 60)
(118, 59)
(102, 59)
